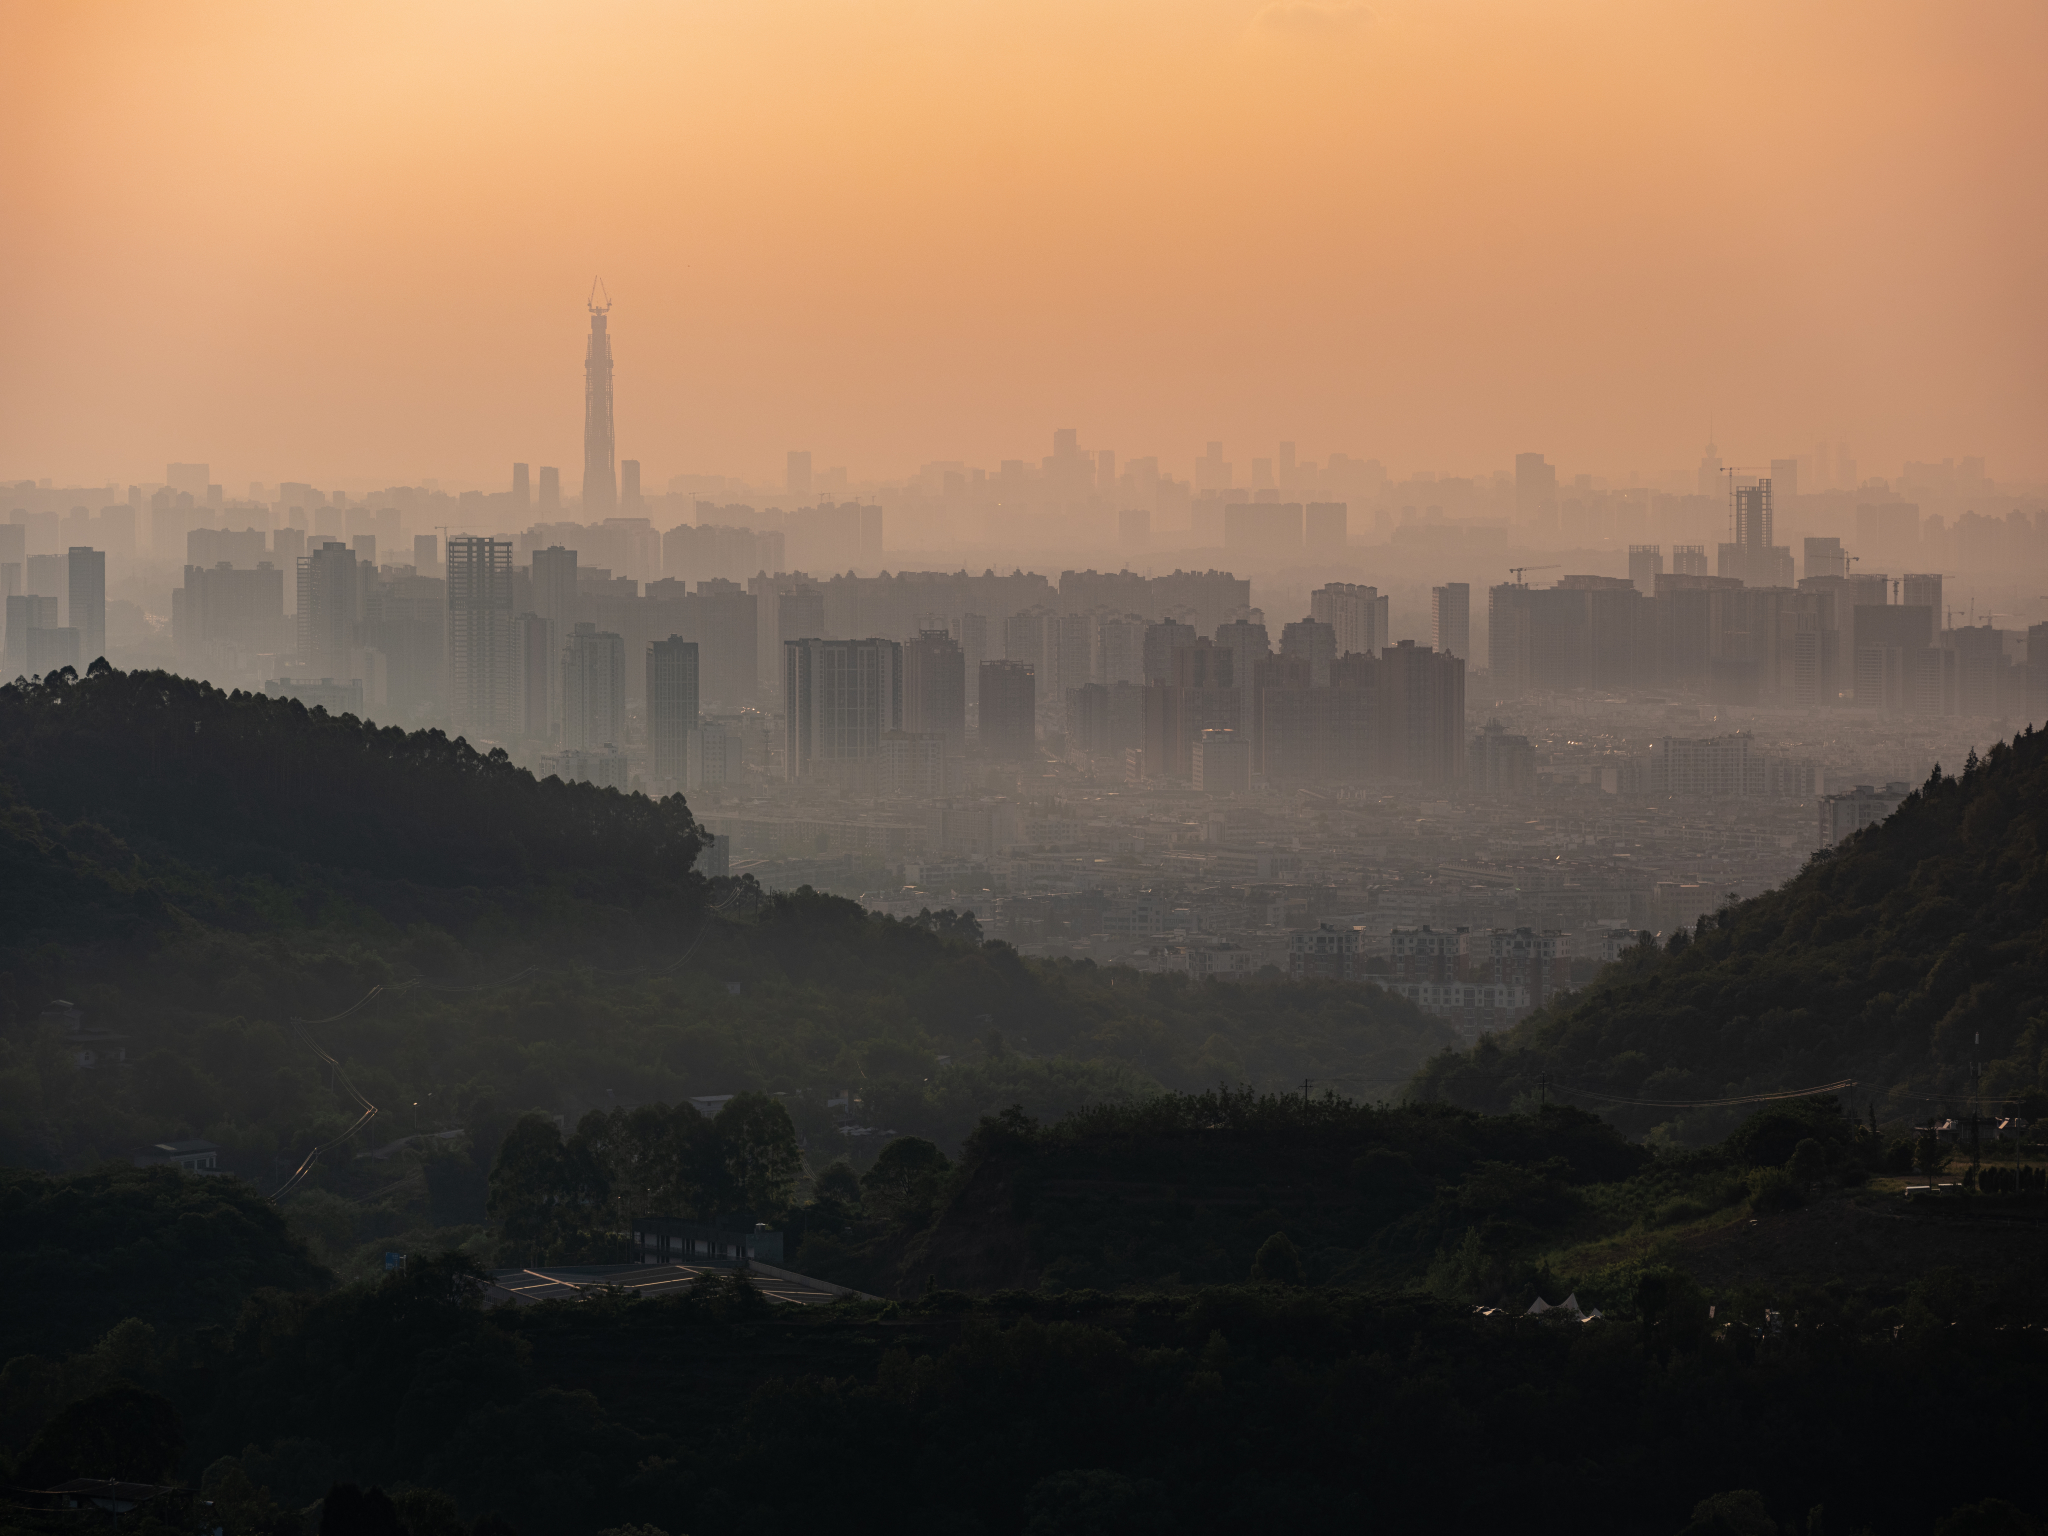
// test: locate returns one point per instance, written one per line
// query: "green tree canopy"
(1278, 1262)
(838, 1183)
(85, 1250)
(120, 1432)
(573, 1200)
(761, 1155)
(1808, 1162)
(905, 1178)
(544, 1191)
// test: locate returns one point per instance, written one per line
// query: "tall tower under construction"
(1753, 558)
(600, 466)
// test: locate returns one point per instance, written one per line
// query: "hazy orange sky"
(349, 242)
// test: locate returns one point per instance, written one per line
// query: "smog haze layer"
(349, 243)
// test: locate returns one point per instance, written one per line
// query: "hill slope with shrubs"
(1185, 1190)
(196, 870)
(1905, 957)
(1220, 1384)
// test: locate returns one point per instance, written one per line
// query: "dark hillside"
(1214, 1411)
(267, 799)
(86, 1251)
(1772, 1385)
(194, 870)
(76, 881)
(1887, 959)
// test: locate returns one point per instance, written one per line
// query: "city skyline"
(1244, 573)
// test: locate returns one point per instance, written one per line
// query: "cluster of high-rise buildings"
(1148, 699)
(1752, 634)
(56, 605)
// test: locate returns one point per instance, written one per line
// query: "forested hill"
(262, 797)
(195, 870)
(1887, 959)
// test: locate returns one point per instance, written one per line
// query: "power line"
(1747, 1098)
(1961, 1098)
(300, 1174)
(479, 986)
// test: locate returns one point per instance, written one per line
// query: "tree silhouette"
(1278, 1262)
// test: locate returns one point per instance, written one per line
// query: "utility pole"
(1976, 1090)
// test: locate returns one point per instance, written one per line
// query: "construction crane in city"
(1518, 569)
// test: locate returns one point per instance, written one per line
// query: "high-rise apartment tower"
(1008, 710)
(554, 600)
(935, 689)
(593, 689)
(1645, 565)
(1356, 614)
(671, 710)
(481, 672)
(1753, 557)
(1450, 608)
(839, 697)
(86, 576)
(329, 606)
(1922, 591)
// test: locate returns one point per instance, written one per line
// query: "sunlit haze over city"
(1101, 766)
(342, 243)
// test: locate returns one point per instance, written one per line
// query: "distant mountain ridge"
(1907, 957)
